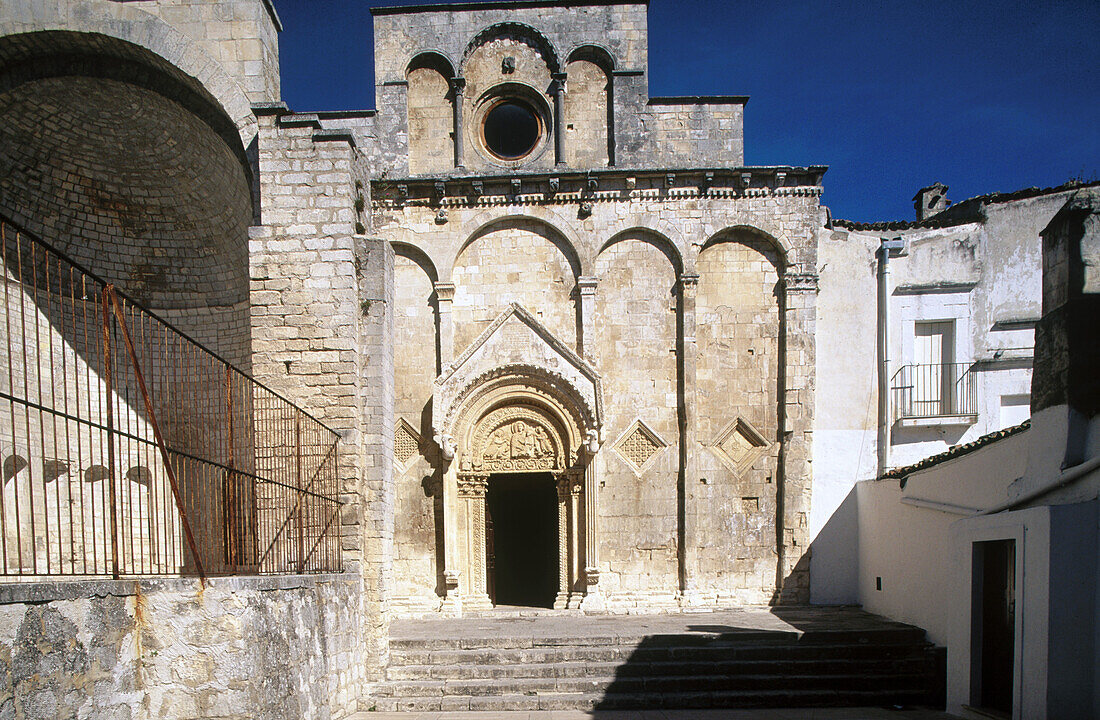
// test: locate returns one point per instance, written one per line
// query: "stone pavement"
(528, 625)
(762, 714)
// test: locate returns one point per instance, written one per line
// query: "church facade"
(564, 349)
(582, 262)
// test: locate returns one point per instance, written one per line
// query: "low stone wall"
(260, 647)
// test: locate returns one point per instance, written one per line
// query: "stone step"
(645, 685)
(401, 656)
(903, 663)
(671, 700)
(899, 634)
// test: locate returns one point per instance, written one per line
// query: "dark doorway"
(994, 625)
(522, 540)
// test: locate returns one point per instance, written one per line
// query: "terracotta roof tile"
(954, 452)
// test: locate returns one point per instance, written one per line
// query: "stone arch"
(565, 241)
(574, 415)
(433, 59)
(145, 181)
(516, 259)
(142, 29)
(594, 53)
(418, 255)
(430, 113)
(772, 238)
(652, 237)
(514, 420)
(519, 32)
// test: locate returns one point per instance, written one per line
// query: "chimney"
(930, 201)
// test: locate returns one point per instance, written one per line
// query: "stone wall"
(595, 57)
(277, 647)
(322, 299)
(702, 299)
(242, 36)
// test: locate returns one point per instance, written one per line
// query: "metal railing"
(128, 449)
(935, 390)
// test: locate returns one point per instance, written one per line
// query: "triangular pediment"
(516, 341)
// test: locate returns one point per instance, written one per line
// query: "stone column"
(562, 600)
(444, 295)
(586, 299)
(689, 445)
(458, 88)
(796, 429)
(472, 488)
(557, 87)
(452, 559)
(576, 589)
(593, 598)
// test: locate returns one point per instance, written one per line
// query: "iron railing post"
(109, 392)
(109, 291)
(298, 484)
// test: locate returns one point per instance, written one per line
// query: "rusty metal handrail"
(213, 466)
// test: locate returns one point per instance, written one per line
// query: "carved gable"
(517, 344)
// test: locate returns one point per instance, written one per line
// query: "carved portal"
(519, 400)
(513, 437)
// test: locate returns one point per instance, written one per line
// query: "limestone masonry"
(577, 353)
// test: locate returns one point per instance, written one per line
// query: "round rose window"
(511, 129)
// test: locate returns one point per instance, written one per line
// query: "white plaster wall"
(909, 547)
(847, 404)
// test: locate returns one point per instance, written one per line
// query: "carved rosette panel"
(739, 445)
(516, 438)
(639, 445)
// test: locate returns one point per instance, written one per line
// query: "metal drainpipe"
(887, 249)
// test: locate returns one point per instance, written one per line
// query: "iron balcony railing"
(128, 449)
(939, 390)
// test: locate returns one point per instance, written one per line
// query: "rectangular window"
(934, 357)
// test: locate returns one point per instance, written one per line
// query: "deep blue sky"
(982, 96)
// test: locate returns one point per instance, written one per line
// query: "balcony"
(934, 394)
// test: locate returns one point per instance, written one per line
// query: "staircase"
(877, 663)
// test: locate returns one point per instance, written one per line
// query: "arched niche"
(508, 120)
(430, 114)
(145, 181)
(739, 393)
(589, 108)
(515, 259)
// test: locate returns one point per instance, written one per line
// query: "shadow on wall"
(828, 657)
(835, 557)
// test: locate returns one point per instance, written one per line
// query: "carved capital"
(458, 85)
(444, 291)
(689, 282)
(587, 285)
(592, 576)
(800, 282)
(472, 486)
